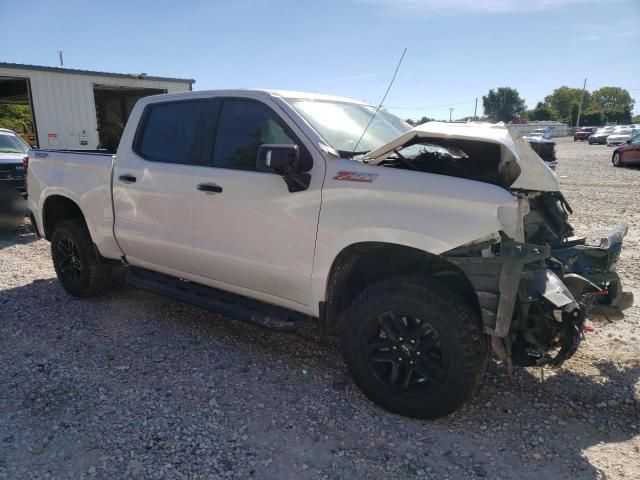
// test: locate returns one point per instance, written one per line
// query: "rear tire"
(412, 348)
(79, 267)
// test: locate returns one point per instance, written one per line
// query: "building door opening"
(113, 107)
(16, 108)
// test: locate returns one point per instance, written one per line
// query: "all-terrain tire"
(79, 267)
(455, 362)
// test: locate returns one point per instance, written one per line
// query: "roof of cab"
(284, 94)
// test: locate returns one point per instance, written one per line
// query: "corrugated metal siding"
(64, 104)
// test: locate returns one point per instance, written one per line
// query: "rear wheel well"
(58, 208)
(363, 264)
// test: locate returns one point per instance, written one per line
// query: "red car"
(584, 133)
(628, 153)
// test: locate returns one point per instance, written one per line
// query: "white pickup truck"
(421, 248)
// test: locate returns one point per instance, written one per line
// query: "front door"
(251, 235)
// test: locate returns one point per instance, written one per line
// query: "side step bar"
(229, 304)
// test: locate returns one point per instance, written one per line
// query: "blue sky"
(457, 49)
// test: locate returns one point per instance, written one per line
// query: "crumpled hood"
(534, 173)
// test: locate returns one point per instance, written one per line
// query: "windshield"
(11, 143)
(623, 131)
(341, 124)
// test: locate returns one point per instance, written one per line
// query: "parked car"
(583, 133)
(620, 135)
(628, 153)
(600, 137)
(541, 132)
(545, 148)
(12, 179)
(419, 247)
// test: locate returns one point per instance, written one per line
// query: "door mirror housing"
(283, 159)
(276, 158)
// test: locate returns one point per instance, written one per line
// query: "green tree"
(592, 117)
(565, 100)
(613, 98)
(503, 104)
(15, 117)
(618, 116)
(636, 119)
(418, 122)
(543, 112)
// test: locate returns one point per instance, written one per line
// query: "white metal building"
(79, 109)
(556, 129)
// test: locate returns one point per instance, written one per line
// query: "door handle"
(210, 188)
(127, 178)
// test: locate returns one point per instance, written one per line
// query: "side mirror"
(283, 160)
(276, 158)
(628, 141)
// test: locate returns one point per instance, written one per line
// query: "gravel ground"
(134, 385)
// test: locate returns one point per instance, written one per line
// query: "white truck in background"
(421, 248)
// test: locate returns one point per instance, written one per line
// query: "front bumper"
(596, 263)
(534, 299)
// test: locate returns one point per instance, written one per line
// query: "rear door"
(252, 235)
(154, 184)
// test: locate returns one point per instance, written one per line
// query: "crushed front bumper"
(596, 263)
(534, 299)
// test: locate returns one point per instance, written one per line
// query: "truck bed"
(82, 176)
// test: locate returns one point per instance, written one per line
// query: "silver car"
(620, 135)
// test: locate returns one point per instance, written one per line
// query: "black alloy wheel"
(68, 259)
(405, 353)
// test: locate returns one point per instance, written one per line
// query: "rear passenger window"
(170, 132)
(244, 125)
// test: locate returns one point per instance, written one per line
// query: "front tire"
(617, 160)
(412, 348)
(80, 269)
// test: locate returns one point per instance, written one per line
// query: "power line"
(433, 106)
(605, 86)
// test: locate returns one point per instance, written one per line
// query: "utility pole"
(450, 112)
(60, 58)
(581, 99)
(475, 110)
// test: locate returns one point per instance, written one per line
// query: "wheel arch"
(365, 263)
(57, 208)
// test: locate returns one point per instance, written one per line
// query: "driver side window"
(243, 126)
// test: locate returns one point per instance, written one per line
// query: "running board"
(226, 303)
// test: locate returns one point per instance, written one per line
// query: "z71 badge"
(356, 177)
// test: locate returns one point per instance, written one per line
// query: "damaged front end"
(535, 281)
(526, 308)
(535, 295)
(572, 259)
